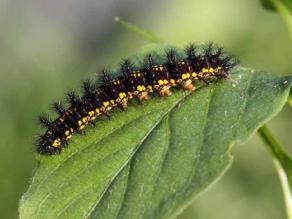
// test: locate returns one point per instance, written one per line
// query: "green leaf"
(283, 165)
(283, 7)
(153, 159)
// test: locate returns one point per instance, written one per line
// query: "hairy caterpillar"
(139, 83)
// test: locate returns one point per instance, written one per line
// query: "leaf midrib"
(135, 151)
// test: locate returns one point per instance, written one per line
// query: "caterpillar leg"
(165, 92)
(143, 97)
(188, 86)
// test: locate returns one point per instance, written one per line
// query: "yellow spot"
(184, 76)
(71, 130)
(116, 82)
(194, 74)
(149, 87)
(172, 81)
(97, 110)
(160, 82)
(165, 81)
(139, 75)
(211, 70)
(140, 88)
(68, 137)
(80, 122)
(161, 68)
(91, 113)
(106, 103)
(122, 95)
(56, 143)
(67, 132)
(61, 119)
(85, 119)
(130, 95)
(81, 127)
(204, 70)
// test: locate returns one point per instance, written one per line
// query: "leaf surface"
(151, 160)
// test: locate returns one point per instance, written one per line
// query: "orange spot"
(165, 91)
(188, 85)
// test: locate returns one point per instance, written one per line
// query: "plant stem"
(143, 33)
(283, 165)
(271, 143)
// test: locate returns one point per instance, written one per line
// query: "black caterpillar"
(132, 83)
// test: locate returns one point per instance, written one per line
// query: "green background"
(47, 47)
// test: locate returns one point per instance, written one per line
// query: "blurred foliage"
(48, 46)
(283, 7)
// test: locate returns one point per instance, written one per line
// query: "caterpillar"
(182, 70)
